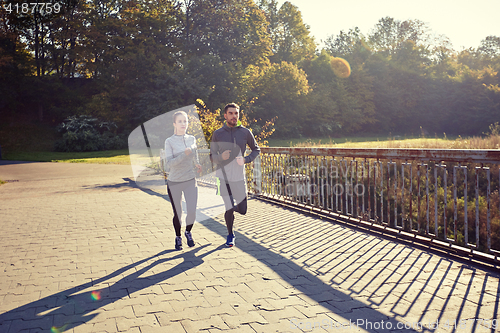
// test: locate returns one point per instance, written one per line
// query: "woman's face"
(181, 124)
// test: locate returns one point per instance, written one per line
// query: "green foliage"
(129, 61)
(282, 90)
(340, 105)
(84, 133)
(291, 41)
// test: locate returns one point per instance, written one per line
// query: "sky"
(464, 22)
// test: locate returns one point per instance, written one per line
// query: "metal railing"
(445, 197)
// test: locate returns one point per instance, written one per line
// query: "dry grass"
(489, 142)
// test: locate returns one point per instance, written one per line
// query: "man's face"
(231, 116)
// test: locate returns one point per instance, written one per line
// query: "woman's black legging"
(190, 190)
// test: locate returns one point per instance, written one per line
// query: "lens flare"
(95, 295)
(55, 329)
(341, 67)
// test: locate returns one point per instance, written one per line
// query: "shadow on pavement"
(73, 307)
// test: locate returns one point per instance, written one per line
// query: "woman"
(181, 159)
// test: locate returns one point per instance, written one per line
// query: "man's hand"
(198, 168)
(225, 155)
(240, 160)
(187, 151)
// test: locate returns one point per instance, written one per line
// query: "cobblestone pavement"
(82, 249)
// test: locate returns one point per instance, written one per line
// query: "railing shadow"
(429, 288)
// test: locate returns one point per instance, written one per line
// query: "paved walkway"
(82, 249)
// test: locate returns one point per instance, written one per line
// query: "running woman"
(181, 159)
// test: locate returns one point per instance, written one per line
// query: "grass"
(99, 157)
(489, 142)
(324, 141)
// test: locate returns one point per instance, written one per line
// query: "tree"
(344, 44)
(350, 46)
(390, 35)
(132, 45)
(291, 39)
(233, 30)
(490, 51)
(282, 90)
(339, 105)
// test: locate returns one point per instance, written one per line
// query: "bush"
(84, 133)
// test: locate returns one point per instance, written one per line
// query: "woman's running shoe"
(189, 238)
(178, 242)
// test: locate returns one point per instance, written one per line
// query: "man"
(227, 151)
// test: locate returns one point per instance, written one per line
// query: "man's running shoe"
(189, 238)
(230, 240)
(178, 242)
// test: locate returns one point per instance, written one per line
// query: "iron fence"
(446, 197)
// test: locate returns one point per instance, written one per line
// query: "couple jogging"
(227, 151)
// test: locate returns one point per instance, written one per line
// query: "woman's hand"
(188, 151)
(198, 168)
(240, 160)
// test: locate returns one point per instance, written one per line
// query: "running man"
(227, 151)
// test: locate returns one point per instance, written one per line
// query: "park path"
(83, 249)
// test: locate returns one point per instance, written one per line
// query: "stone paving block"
(109, 325)
(33, 324)
(206, 313)
(252, 297)
(233, 299)
(239, 329)
(197, 301)
(252, 316)
(391, 307)
(188, 314)
(20, 314)
(283, 326)
(141, 310)
(237, 288)
(174, 327)
(284, 302)
(191, 326)
(235, 280)
(125, 312)
(327, 296)
(126, 324)
(367, 314)
(319, 323)
(275, 315)
(313, 311)
(207, 282)
(5, 326)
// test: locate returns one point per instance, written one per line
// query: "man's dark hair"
(231, 105)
